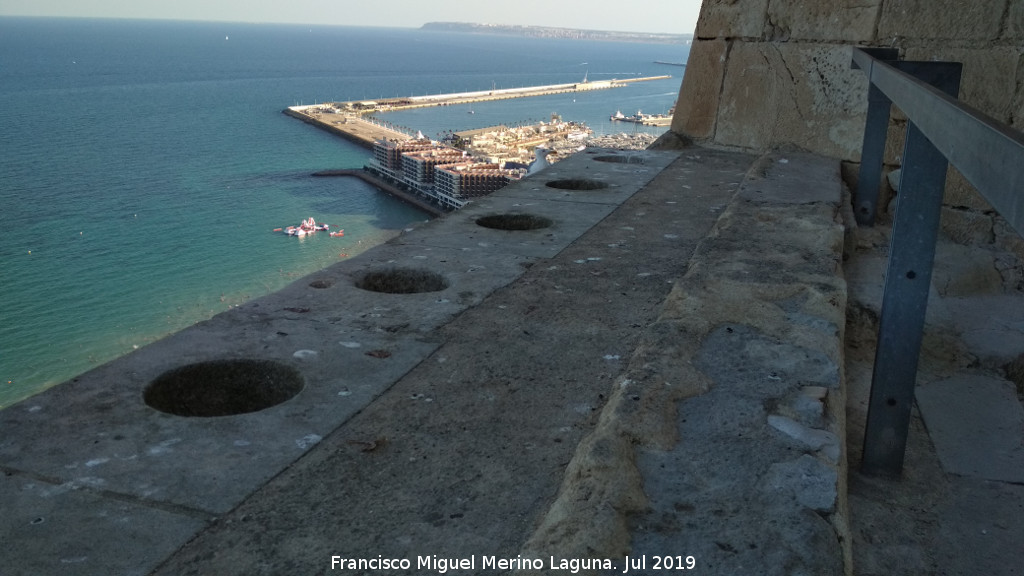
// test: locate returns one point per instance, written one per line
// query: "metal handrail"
(940, 131)
(989, 153)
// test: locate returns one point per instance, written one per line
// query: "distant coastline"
(552, 32)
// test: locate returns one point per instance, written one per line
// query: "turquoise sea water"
(145, 164)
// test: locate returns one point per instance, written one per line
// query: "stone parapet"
(729, 420)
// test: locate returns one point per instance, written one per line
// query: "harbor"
(348, 119)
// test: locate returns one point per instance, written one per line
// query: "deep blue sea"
(144, 164)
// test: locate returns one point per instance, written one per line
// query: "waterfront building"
(418, 167)
(457, 184)
(387, 155)
(467, 138)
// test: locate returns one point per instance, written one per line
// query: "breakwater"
(349, 126)
(346, 118)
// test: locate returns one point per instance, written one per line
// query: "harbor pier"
(346, 118)
(349, 126)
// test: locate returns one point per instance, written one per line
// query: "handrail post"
(872, 155)
(907, 282)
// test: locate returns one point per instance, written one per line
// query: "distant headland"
(552, 32)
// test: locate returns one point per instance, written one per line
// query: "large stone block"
(941, 19)
(1017, 119)
(702, 86)
(967, 227)
(959, 194)
(731, 19)
(841, 21)
(1014, 29)
(962, 271)
(801, 94)
(1008, 239)
(962, 195)
(895, 141)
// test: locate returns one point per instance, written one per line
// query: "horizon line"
(321, 24)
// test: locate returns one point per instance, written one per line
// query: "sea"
(144, 165)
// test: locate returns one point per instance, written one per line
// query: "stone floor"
(959, 506)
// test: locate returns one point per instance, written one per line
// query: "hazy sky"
(672, 16)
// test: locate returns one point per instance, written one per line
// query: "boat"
(308, 226)
(646, 119)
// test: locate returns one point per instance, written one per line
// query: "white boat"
(308, 226)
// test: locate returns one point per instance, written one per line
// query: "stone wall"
(769, 73)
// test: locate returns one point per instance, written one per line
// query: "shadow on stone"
(621, 159)
(402, 281)
(576, 184)
(514, 222)
(223, 388)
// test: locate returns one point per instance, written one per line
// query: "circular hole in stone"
(402, 281)
(514, 222)
(631, 159)
(321, 284)
(223, 388)
(576, 184)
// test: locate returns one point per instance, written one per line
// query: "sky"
(665, 16)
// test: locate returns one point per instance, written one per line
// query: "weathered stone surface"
(66, 529)
(801, 94)
(1014, 29)
(739, 343)
(895, 139)
(731, 18)
(702, 86)
(941, 19)
(842, 21)
(1017, 118)
(811, 482)
(810, 438)
(966, 227)
(1008, 239)
(977, 425)
(961, 271)
(989, 80)
(961, 194)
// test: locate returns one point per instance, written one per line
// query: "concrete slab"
(791, 178)
(986, 518)
(61, 529)
(992, 325)
(977, 425)
(97, 432)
